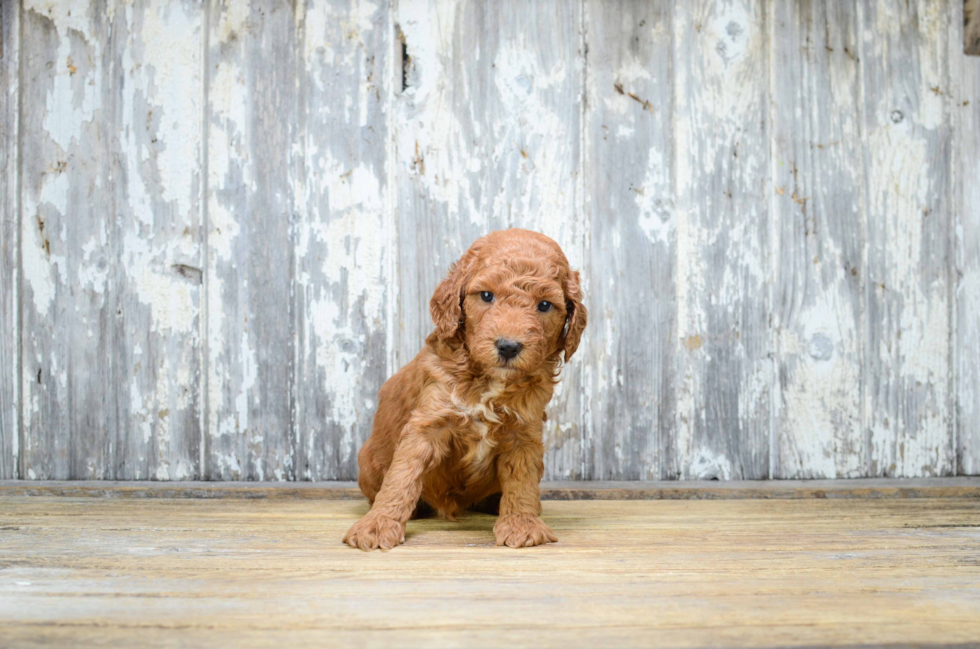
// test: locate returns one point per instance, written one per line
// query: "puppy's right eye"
(486, 296)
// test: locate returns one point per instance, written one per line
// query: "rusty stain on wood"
(646, 104)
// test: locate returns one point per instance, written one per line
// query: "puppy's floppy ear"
(576, 315)
(446, 305)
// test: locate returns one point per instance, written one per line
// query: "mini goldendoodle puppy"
(461, 424)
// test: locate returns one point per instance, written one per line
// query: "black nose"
(508, 349)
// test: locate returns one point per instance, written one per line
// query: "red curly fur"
(460, 424)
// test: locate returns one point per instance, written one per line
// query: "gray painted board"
(67, 399)
(632, 239)
(344, 244)
(154, 240)
(966, 207)
(818, 207)
(109, 230)
(9, 347)
(721, 169)
(906, 155)
(251, 118)
(224, 220)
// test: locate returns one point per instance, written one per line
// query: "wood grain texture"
(632, 244)
(751, 573)
(488, 137)
(722, 189)
(966, 268)
(344, 234)
(818, 201)
(907, 157)
(252, 122)
(9, 238)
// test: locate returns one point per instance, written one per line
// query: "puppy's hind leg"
(369, 476)
(422, 510)
(489, 505)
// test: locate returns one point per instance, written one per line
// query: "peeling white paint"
(708, 465)
(64, 128)
(170, 40)
(656, 217)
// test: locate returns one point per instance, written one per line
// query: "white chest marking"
(479, 414)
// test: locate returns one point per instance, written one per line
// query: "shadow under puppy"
(461, 424)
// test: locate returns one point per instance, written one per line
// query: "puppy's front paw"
(522, 530)
(374, 531)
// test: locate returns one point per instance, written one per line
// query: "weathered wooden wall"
(222, 222)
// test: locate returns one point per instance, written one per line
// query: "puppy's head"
(513, 300)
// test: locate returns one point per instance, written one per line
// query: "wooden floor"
(165, 572)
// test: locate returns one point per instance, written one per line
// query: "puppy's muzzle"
(508, 349)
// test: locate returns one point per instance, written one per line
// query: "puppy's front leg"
(384, 526)
(519, 471)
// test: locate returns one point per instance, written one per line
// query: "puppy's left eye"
(544, 306)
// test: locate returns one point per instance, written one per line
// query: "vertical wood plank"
(9, 345)
(67, 198)
(632, 251)
(252, 95)
(489, 138)
(343, 287)
(155, 263)
(437, 217)
(966, 208)
(818, 178)
(722, 219)
(110, 240)
(905, 83)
